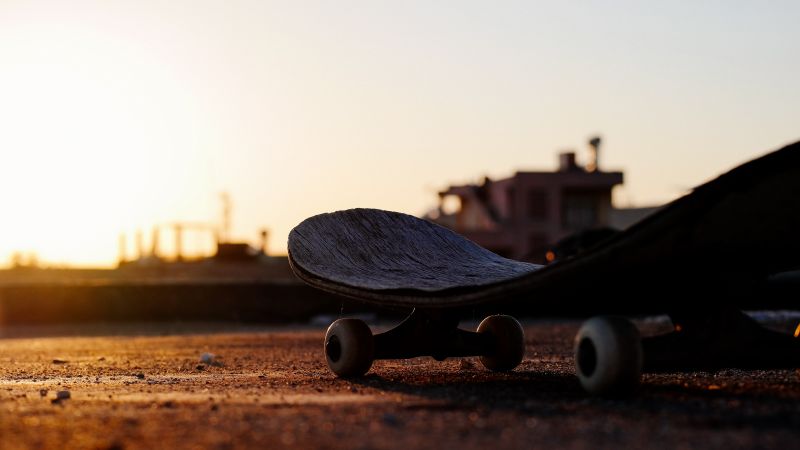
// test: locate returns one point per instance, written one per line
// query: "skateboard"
(697, 259)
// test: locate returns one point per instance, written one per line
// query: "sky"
(118, 115)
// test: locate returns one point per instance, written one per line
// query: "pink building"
(522, 216)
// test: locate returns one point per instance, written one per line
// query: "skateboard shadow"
(549, 393)
(477, 387)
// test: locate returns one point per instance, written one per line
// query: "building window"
(537, 204)
(581, 211)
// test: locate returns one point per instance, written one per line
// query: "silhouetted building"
(521, 216)
(236, 251)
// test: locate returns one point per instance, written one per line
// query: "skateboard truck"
(350, 346)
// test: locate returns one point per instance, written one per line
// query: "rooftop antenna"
(264, 234)
(594, 154)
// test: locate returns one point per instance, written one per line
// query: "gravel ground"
(145, 387)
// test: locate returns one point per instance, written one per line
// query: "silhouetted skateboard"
(696, 259)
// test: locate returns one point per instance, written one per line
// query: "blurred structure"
(182, 271)
(24, 260)
(522, 216)
(225, 250)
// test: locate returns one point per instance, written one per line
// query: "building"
(521, 217)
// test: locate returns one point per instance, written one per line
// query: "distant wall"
(243, 302)
(35, 304)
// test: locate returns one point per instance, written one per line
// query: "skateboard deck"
(730, 232)
(384, 256)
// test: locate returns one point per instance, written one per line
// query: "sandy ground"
(143, 387)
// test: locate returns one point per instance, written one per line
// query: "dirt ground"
(144, 387)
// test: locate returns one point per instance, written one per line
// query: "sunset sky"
(117, 115)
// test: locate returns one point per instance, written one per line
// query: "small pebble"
(210, 359)
(43, 392)
(59, 361)
(60, 397)
(140, 376)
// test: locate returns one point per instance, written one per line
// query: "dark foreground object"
(695, 259)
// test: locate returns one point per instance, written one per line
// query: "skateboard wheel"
(349, 347)
(508, 343)
(608, 356)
